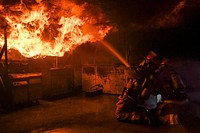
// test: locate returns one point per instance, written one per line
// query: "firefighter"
(127, 109)
(146, 67)
(174, 97)
(138, 96)
(156, 94)
(173, 86)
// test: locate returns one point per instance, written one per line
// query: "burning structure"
(37, 39)
(43, 54)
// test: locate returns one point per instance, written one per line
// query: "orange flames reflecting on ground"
(41, 30)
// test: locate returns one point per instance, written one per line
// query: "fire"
(41, 30)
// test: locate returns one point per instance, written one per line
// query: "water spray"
(114, 52)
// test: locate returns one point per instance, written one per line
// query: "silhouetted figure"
(156, 95)
(138, 97)
(174, 98)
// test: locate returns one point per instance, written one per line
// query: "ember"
(50, 29)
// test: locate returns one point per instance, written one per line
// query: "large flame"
(42, 29)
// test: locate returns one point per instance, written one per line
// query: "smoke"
(171, 18)
(170, 14)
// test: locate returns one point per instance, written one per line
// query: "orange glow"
(39, 31)
(114, 52)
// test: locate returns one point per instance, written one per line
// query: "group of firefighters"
(154, 94)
